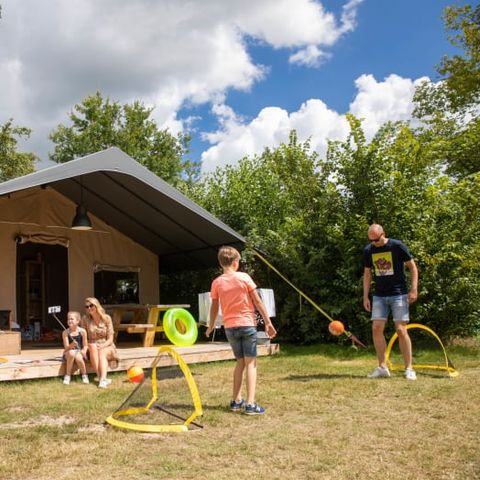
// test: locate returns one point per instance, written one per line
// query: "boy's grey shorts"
(243, 341)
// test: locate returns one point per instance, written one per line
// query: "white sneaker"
(103, 383)
(108, 381)
(410, 374)
(66, 380)
(379, 372)
(85, 379)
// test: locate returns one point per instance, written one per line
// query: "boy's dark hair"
(227, 255)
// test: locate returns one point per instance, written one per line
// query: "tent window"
(112, 287)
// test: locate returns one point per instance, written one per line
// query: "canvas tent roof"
(136, 202)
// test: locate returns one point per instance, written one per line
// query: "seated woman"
(102, 350)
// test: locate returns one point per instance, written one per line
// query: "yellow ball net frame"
(125, 417)
(448, 366)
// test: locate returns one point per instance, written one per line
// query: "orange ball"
(135, 374)
(336, 328)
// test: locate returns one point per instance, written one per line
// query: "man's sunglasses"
(375, 240)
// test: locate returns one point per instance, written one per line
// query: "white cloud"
(378, 102)
(349, 16)
(165, 53)
(11, 72)
(305, 23)
(311, 56)
(271, 127)
(375, 102)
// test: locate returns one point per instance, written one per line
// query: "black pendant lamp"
(80, 220)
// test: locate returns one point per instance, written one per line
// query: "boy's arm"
(212, 317)
(257, 301)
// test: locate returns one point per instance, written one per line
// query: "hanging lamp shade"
(81, 220)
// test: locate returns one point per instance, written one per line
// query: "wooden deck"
(47, 362)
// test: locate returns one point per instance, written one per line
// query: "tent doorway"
(42, 281)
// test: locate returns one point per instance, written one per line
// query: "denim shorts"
(243, 341)
(397, 304)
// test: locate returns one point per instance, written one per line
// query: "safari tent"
(141, 226)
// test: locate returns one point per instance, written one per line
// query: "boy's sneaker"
(66, 380)
(103, 383)
(410, 374)
(236, 406)
(379, 372)
(254, 409)
(85, 379)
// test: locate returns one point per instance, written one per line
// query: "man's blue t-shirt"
(387, 264)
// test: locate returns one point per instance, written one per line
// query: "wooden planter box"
(9, 343)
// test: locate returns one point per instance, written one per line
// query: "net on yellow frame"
(429, 354)
(167, 400)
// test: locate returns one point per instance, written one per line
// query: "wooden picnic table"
(138, 325)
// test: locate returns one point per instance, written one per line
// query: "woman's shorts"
(397, 304)
(111, 354)
(243, 341)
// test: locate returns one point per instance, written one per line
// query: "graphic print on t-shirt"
(383, 264)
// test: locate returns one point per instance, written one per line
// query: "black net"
(166, 400)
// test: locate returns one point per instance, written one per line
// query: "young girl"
(75, 344)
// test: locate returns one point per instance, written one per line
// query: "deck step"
(47, 363)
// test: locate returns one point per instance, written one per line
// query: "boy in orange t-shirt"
(236, 293)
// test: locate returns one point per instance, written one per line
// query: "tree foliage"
(12, 162)
(462, 72)
(277, 200)
(450, 109)
(310, 216)
(97, 124)
(447, 246)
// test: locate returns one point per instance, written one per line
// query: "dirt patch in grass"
(42, 420)
(92, 429)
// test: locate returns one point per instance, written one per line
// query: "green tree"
(281, 202)
(12, 162)
(383, 182)
(97, 124)
(311, 217)
(450, 108)
(447, 246)
(395, 180)
(462, 73)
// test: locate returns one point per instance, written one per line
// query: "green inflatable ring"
(180, 327)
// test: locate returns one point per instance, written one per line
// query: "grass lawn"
(324, 420)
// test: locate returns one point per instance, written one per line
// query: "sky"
(237, 75)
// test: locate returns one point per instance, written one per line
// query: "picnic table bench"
(148, 328)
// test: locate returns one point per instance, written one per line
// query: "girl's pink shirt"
(233, 292)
